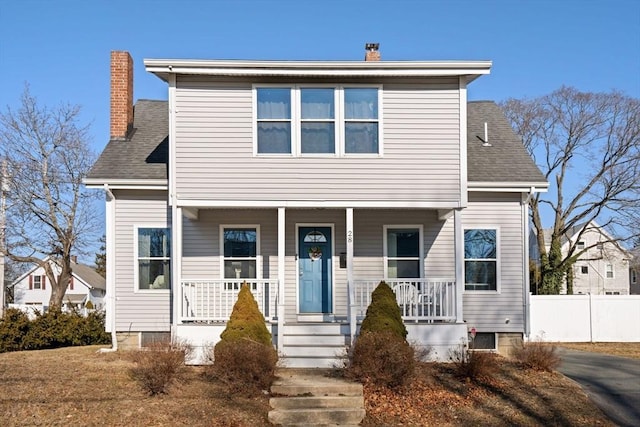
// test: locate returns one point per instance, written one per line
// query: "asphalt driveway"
(612, 382)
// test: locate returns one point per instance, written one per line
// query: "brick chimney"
(121, 94)
(372, 53)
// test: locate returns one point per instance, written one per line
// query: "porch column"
(458, 235)
(349, 239)
(281, 264)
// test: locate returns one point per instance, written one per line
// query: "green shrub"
(52, 329)
(14, 326)
(383, 314)
(382, 358)
(381, 353)
(159, 365)
(537, 355)
(244, 358)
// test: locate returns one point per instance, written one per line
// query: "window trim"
(584, 269)
(222, 258)
(296, 120)
(607, 271)
(385, 248)
(634, 277)
(136, 259)
(497, 290)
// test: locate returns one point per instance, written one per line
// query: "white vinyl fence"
(585, 318)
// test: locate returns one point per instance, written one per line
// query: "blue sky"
(61, 48)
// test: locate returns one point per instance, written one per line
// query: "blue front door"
(314, 264)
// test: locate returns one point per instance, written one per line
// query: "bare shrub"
(159, 365)
(381, 357)
(472, 364)
(244, 366)
(537, 355)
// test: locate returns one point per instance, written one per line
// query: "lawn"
(78, 386)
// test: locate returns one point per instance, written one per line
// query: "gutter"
(110, 284)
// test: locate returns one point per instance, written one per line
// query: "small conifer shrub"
(244, 359)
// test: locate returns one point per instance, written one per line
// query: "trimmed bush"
(52, 329)
(382, 358)
(537, 355)
(14, 326)
(381, 353)
(244, 359)
(159, 365)
(383, 314)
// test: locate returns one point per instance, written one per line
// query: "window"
(584, 269)
(240, 252)
(312, 120)
(612, 293)
(480, 259)
(403, 252)
(609, 270)
(634, 277)
(483, 341)
(580, 245)
(154, 258)
(37, 282)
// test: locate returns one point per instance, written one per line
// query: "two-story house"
(32, 289)
(313, 181)
(602, 265)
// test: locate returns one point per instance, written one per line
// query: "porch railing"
(213, 300)
(427, 300)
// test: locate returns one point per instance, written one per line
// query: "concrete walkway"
(612, 383)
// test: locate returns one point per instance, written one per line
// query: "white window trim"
(385, 256)
(136, 263)
(497, 290)
(39, 277)
(258, 257)
(606, 271)
(296, 119)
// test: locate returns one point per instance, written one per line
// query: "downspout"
(525, 271)
(110, 270)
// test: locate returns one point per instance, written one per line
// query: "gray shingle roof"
(89, 275)
(506, 160)
(145, 154)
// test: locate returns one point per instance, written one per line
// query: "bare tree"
(50, 215)
(587, 145)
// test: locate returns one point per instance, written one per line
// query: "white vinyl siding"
(489, 311)
(138, 311)
(215, 151)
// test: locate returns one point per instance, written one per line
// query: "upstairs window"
(584, 269)
(481, 259)
(317, 120)
(609, 270)
(580, 245)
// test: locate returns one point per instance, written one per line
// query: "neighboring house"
(312, 181)
(33, 288)
(602, 266)
(634, 272)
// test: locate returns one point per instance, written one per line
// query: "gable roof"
(82, 272)
(145, 155)
(505, 160)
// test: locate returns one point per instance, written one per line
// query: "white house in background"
(312, 181)
(33, 288)
(603, 269)
(634, 272)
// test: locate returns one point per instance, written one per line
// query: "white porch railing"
(213, 300)
(427, 300)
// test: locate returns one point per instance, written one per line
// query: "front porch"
(312, 273)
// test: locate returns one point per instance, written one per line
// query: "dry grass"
(77, 386)
(624, 349)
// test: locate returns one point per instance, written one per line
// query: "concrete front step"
(316, 416)
(310, 397)
(290, 402)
